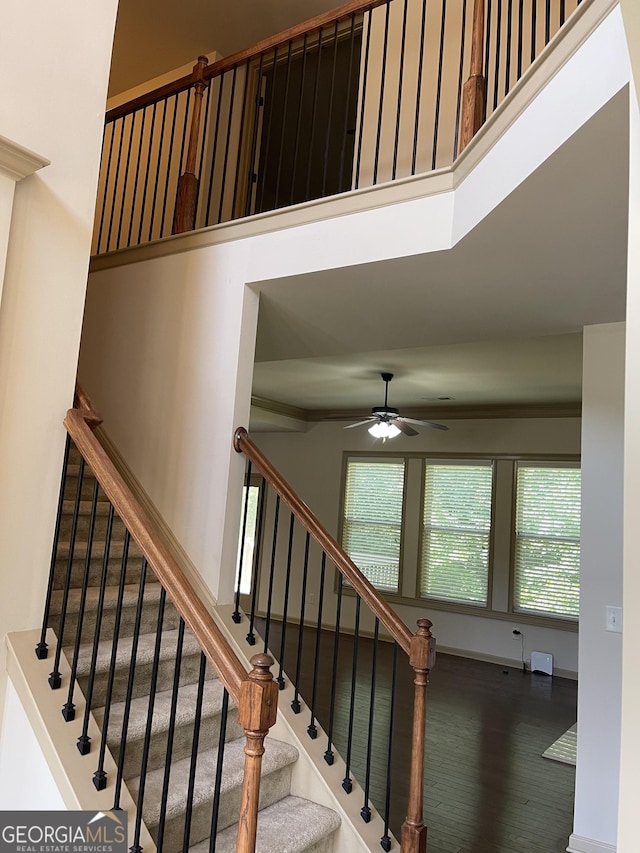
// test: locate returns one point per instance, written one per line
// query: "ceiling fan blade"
(360, 423)
(404, 427)
(423, 423)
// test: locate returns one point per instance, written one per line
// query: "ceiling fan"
(386, 421)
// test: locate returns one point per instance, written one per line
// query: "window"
(248, 523)
(372, 519)
(456, 531)
(547, 540)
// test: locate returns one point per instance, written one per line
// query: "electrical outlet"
(312, 598)
(614, 619)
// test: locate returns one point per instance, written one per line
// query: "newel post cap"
(258, 706)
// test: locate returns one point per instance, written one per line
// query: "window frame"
(535, 463)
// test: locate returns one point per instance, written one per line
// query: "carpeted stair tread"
(130, 597)
(277, 756)
(185, 711)
(291, 825)
(84, 507)
(97, 549)
(145, 651)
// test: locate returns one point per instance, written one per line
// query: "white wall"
(54, 64)
(312, 463)
(600, 672)
(26, 783)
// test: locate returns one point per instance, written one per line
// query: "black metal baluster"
(507, 72)
(436, 120)
(496, 70)
(547, 22)
(345, 125)
(282, 130)
(129, 692)
(562, 12)
(237, 618)
(295, 704)
(158, 161)
(134, 194)
(84, 741)
(423, 27)
(252, 176)
(55, 679)
(365, 811)
(346, 782)
(143, 205)
(383, 75)
(106, 186)
(69, 709)
(272, 571)
(214, 151)
(136, 848)
(100, 771)
(226, 146)
(487, 55)
(298, 120)
(255, 577)
(328, 755)
(325, 160)
(170, 734)
(194, 754)
(314, 110)
(460, 70)
(125, 180)
(240, 139)
(312, 730)
(167, 171)
(217, 785)
(400, 80)
(534, 10)
(365, 77)
(267, 136)
(385, 841)
(115, 180)
(285, 608)
(42, 649)
(520, 36)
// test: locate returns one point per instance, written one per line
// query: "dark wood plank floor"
(487, 787)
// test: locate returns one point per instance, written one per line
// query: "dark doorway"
(310, 99)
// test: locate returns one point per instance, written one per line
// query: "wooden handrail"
(215, 69)
(345, 565)
(212, 641)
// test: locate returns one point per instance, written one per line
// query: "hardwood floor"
(487, 787)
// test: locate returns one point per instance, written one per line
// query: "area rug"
(564, 749)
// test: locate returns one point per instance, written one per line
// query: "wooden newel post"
(473, 92)
(184, 218)
(413, 837)
(257, 712)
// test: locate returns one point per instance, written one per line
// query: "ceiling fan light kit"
(387, 420)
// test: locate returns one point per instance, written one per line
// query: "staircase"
(169, 767)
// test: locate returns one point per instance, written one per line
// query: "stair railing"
(98, 635)
(271, 607)
(370, 92)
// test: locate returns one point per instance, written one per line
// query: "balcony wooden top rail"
(228, 63)
(211, 640)
(367, 592)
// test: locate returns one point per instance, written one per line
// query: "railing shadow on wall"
(367, 93)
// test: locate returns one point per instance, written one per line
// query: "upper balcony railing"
(368, 93)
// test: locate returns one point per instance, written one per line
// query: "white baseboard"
(469, 653)
(578, 844)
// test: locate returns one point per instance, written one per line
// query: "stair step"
(114, 562)
(127, 618)
(274, 786)
(189, 667)
(84, 517)
(183, 731)
(292, 825)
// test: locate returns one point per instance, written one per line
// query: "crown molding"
(277, 408)
(17, 162)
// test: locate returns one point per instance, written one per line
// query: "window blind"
(547, 547)
(372, 522)
(456, 531)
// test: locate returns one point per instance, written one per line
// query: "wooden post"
(473, 92)
(414, 832)
(257, 712)
(184, 218)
